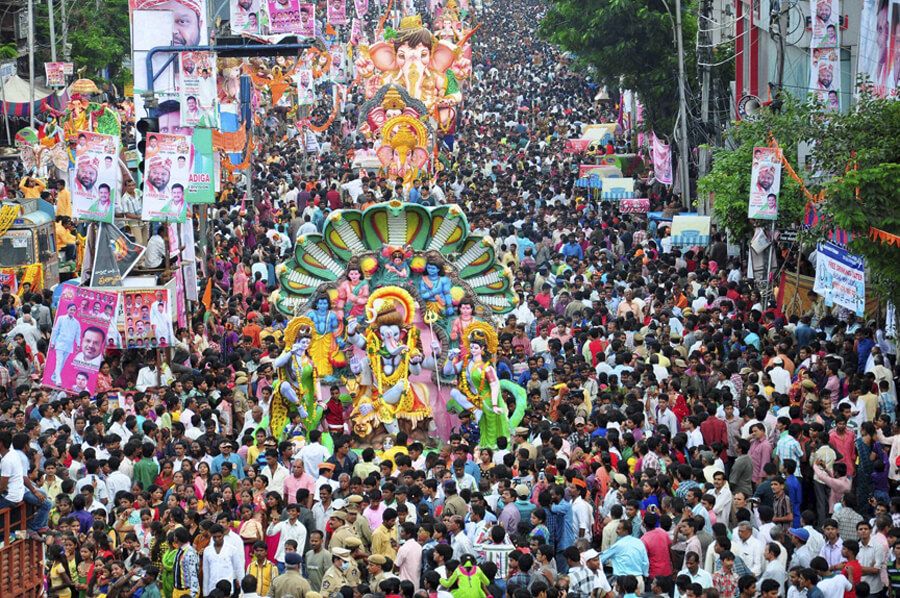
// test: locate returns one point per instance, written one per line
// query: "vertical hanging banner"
(306, 87)
(244, 16)
(361, 7)
(95, 179)
(307, 25)
(200, 183)
(825, 23)
(79, 339)
(765, 184)
(840, 278)
(879, 45)
(662, 160)
(825, 76)
(198, 92)
(336, 12)
(147, 319)
(168, 172)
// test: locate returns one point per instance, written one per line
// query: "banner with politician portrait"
(56, 73)
(826, 23)
(285, 16)
(168, 160)
(95, 179)
(199, 95)
(879, 46)
(148, 323)
(825, 76)
(765, 184)
(306, 87)
(79, 339)
(361, 7)
(244, 16)
(336, 11)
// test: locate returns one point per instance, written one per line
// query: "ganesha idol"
(419, 64)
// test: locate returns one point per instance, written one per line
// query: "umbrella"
(84, 87)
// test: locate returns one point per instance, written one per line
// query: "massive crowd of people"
(683, 437)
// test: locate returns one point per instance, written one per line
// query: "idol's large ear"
(383, 55)
(442, 56)
(385, 154)
(419, 157)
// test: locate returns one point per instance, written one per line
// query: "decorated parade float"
(393, 304)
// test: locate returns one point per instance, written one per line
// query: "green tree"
(99, 33)
(729, 179)
(631, 44)
(859, 152)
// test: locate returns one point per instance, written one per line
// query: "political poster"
(244, 16)
(148, 323)
(168, 172)
(825, 76)
(283, 16)
(879, 47)
(825, 23)
(8, 280)
(306, 87)
(336, 11)
(56, 73)
(200, 189)
(661, 154)
(361, 7)
(198, 92)
(95, 179)
(160, 23)
(114, 256)
(765, 184)
(840, 278)
(80, 337)
(690, 231)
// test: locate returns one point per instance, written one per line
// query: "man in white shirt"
(722, 492)
(313, 454)
(275, 472)
(290, 529)
(221, 562)
(780, 377)
(12, 474)
(744, 545)
(582, 512)
(116, 481)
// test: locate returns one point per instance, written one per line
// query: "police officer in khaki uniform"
(291, 582)
(359, 524)
(520, 439)
(377, 573)
(343, 531)
(343, 572)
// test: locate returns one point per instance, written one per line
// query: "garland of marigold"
(474, 398)
(7, 216)
(33, 275)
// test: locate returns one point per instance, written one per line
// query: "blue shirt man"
(628, 555)
(226, 455)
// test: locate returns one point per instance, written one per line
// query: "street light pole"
(31, 62)
(682, 115)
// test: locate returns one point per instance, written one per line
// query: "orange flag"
(207, 294)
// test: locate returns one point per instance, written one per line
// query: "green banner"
(201, 183)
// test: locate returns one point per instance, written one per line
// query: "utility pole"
(31, 62)
(682, 115)
(65, 29)
(705, 55)
(52, 31)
